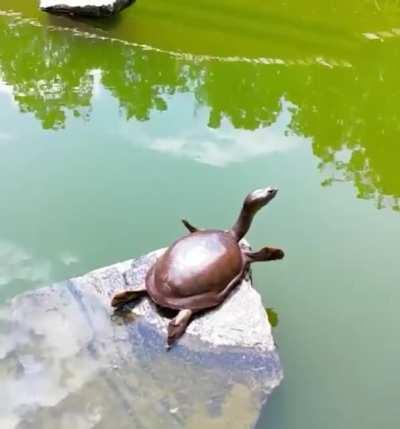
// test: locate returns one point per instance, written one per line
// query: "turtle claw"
(174, 332)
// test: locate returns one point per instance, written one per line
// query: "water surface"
(110, 131)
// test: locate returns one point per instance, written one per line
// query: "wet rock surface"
(67, 360)
(94, 8)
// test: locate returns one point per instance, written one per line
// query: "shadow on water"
(333, 102)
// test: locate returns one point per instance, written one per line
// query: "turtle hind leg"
(124, 296)
(189, 226)
(177, 326)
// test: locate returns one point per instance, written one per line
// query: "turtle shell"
(195, 270)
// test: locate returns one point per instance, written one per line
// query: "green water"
(110, 131)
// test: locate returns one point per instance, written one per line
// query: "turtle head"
(258, 199)
(252, 203)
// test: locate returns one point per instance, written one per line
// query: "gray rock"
(95, 8)
(66, 360)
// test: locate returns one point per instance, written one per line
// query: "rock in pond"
(66, 360)
(84, 7)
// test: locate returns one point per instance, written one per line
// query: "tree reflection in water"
(350, 114)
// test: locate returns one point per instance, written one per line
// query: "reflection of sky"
(5, 89)
(5, 137)
(17, 263)
(49, 365)
(181, 133)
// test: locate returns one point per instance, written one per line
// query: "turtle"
(200, 270)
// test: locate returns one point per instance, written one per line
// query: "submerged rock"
(84, 7)
(66, 360)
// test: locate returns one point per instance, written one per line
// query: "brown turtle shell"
(197, 271)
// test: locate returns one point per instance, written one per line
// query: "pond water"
(111, 131)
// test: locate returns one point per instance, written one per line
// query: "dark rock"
(96, 8)
(66, 360)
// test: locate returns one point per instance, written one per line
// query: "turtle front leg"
(265, 254)
(177, 326)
